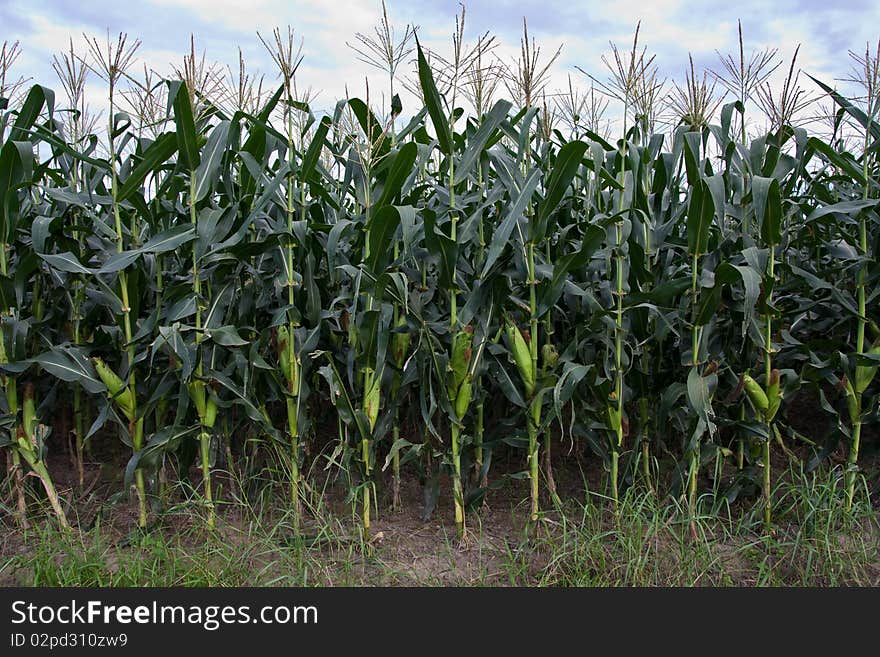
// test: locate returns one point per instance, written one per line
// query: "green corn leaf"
(209, 168)
(549, 293)
(700, 212)
(434, 102)
(501, 236)
(38, 98)
(401, 168)
(380, 237)
(564, 169)
(314, 151)
(70, 365)
(187, 137)
(767, 203)
(67, 262)
(478, 141)
(159, 152)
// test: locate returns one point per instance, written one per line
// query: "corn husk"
(756, 394)
(119, 392)
(522, 357)
(774, 395)
(865, 373)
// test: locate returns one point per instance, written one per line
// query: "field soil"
(580, 542)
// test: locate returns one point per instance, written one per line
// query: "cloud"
(671, 29)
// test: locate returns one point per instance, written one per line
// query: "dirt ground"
(405, 548)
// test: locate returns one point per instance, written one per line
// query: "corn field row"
(381, 295)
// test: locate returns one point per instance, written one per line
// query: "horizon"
(671, 30)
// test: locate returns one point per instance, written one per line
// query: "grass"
(815, 543)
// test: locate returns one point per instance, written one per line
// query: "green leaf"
(564, 169)
(37, 98)
(849, 208)
(380, 237)
(156, 154)
(692, 142)
(551, 292)
(171, 337)
(843, 161)
(727, 274)
(700, 212)
(434, 102)
(699, 394)
(313, 153)
(501, 236)
(65, 262)
(187, 138)
(208, 170)
(16, 166)
(716, 188)
(70, 365)
(767, 203)
(227, 336)
(400, 169)
(118, 262)
(477, 142)
(851, 109)
(368, 122)
(169, 240)
(444, 248)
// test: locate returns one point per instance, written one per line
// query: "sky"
(671, 29)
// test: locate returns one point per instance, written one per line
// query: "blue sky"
(670, 28)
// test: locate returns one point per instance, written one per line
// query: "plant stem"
(646, 453)
(768, 368)
(478, 444)
(365, 510)
(455, 426)
(456, 480)
(695, 359)
(853, 460)
(618, 336)
(293, 394)
(137, 437)
(535, 404)
(42, 473)
(204, 432)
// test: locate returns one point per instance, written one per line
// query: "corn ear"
(197, 394)
(756, 394)
(865, 373)
(12, 397)
(119, 392)
(463, 399)
(29, 414)
(614, 418)
(774, 395)
(372, 398)
(286, 357)
(852, 402)
(400, 341)
(460, 360)
(210, 412)
(522, 357)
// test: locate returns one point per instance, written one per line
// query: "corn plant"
(231, 280)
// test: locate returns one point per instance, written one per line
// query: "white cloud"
(670, 28)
